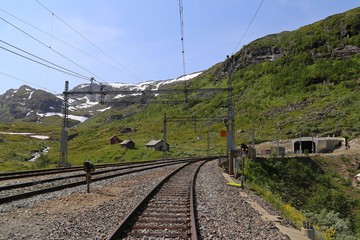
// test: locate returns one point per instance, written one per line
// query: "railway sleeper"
(151, 226)
(171, 194)
(166, 210)
(164, 215)
(176, 206)
(160, 235)
(169, 200)
(165, 220)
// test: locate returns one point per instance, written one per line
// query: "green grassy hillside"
(314, 185)
(301, 82)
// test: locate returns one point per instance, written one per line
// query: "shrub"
(43, 161)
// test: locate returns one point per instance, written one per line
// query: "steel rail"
(123, 227)
(75, 184)
(41, 172)
(32, 183)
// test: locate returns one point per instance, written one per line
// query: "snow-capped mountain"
(26, 103)
(90, 103)
(32, 105)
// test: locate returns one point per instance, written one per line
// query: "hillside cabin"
(157, 145)
(129, 144)
(317, 145)
(114, 140)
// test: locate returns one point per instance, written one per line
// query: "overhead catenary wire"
(28, 82)
(46, 65)
(90, 42)
(55, 66)
(248, 27)
(63, 42)
(57, 52)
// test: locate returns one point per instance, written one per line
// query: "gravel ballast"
(75, 214)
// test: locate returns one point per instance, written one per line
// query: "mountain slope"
(30, 104)
(27, 102)
(301, 82)
(305, 81)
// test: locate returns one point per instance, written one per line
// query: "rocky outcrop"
(27, 102)
(342, 52)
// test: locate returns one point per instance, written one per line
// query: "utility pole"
(208, 139)
(64, 131)
(252, 154)
(164, 140)
(231, 117)
(103, 92)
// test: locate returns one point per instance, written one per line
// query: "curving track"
(167, 211)
(16, 191)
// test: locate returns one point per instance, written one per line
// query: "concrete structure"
(157, 145)
(127, 144)
(317, 145)
(278, 151)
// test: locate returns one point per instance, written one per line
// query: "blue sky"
(134, 41)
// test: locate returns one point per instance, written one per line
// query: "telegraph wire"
(242, 37)
(33, 55)
(46, 65)
(30, 83)
(90, 42)
(37, 40)
(62, 41)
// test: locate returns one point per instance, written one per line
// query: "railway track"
(17, 191)
(166, 212)
(44, 172)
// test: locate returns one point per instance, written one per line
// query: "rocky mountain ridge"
(30, 104)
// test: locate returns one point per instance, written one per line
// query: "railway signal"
(244, 149)
(88, 168)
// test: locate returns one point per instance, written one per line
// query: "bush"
(300, 183)
(43, 161)
(331, 224)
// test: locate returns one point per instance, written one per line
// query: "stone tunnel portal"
(306, 146)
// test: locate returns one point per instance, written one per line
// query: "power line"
(65, 70)
(46, 65)
(62, 41)
(27, 82)
(242, 37)
(90, 42)
(37, 40)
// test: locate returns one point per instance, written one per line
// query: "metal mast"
(64, 131)
(164, 140)
(231, 117)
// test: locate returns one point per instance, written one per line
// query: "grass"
(296, 93)
(288, 211)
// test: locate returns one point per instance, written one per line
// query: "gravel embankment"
(223, 214)
(75, 214)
